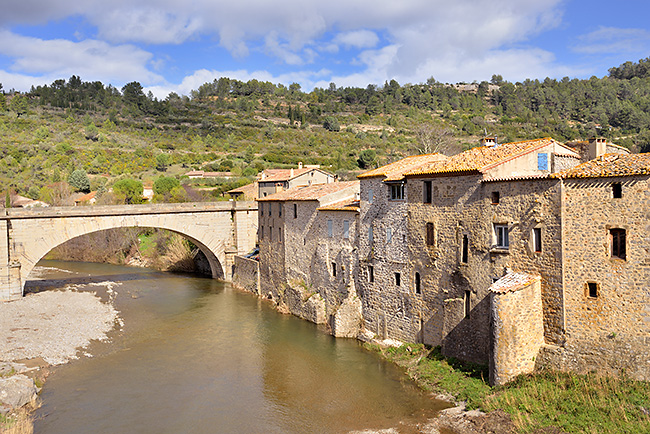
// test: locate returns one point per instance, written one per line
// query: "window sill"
(500, 250)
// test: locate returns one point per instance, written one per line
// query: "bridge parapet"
(220, 229)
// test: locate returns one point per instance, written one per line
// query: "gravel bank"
(53, 325)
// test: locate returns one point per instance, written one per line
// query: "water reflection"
(196, 356)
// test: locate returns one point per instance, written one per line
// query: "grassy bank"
(574, 403)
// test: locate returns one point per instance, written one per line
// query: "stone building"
(385, 280)
(272, 181)
(519, 255)
(308, 258)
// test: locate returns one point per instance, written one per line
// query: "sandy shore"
(53, 325)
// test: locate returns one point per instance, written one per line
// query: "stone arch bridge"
(220, 229)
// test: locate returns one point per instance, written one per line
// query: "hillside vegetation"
(243, 127)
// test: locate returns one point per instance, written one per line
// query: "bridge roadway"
(220, 229)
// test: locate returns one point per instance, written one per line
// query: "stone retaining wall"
(247, 275)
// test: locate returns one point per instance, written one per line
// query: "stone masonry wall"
(608, 330)
(247, 274)
(389, 310)
(462, 207)
(517, 332)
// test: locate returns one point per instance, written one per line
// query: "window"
(280, 235)
(592, 289)
(617, 239)
(465, 250)
(418, 290)
(371, 273)
(279, 210)
(333, 269)
(270, 233)
(346, 229)
(371, 196)
(397, 191)
(370, 234)
(261, 208)
(495, 197)
(389, 235)
(542, 161)
(270, 208)
(426, 190)
(398, 279)
(261, 232)
(467, 303)
(617, 190)
(537, 239)
(295, 210)
(330, 229)
(501, 232)
(431, 237)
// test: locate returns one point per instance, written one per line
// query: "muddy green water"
(196, 356)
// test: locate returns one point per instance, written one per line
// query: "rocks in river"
(15, 392)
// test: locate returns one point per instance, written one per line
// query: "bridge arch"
(220, 230)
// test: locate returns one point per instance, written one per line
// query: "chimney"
(299, 165)
(263, 175)
(291, 172)
(489, 141)
(597, 147)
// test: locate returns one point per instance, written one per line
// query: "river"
(196, 356)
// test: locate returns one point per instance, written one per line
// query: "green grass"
(586, 404)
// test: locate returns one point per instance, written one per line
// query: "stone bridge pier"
(221, 230)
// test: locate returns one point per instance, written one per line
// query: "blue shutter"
(542, 161)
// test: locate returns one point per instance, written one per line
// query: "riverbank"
(545, 403)
(39, 330)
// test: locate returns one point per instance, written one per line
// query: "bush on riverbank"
(586, 404)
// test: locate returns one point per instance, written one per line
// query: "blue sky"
(176, 45)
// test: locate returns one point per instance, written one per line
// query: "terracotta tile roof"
(395, 171)
(248, 190)
(518, 178)
(276, 175)
(482, 158)
(609, 165)
(87, 197)
(313, 192)
(346, 205)
(513, 281)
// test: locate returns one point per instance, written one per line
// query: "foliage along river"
(196, 356)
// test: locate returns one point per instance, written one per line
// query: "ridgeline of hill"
(243, 127)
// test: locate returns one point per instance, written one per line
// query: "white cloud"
(357, 39)
(90, 59)
(610, 40)
(459, 40)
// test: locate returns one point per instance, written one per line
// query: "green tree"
(128, 191)
(92, 132)
(367, 158)
(331, 124)
(3, 102)
(19, 105)
(164, 185)
(79, 180)
(162, 162)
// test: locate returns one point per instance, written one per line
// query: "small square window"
(346, 229)
(617, 190)
(295, 211)
(333, 269)
(371, 273)
(592, 289)
(330, 228)
(495, 197)
(502, 236)
(418, 289)
(398, 279)
(396, 191)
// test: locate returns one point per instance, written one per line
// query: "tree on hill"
(128, 191)
(79, 181)
(19, 105)
(367, 158)
(331, 124)
(163, 187)
(162, 162)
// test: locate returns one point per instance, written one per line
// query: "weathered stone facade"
(436, 236)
